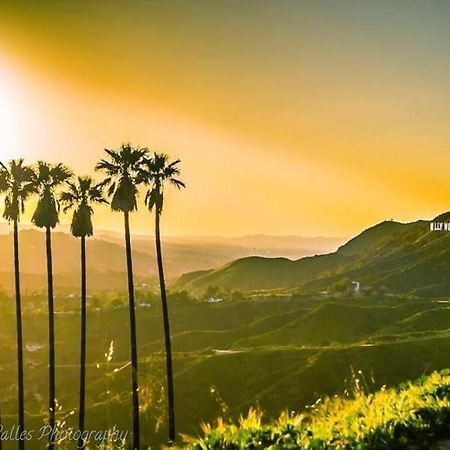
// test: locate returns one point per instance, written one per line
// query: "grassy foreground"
(412, 416)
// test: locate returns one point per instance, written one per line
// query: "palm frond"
(111, 188)
(155, 172)
(177, 183)
(106, 166)
(80, 196)
(122, 170)
(17, 181)
(4, 179)
(59, 174)
(47, 182)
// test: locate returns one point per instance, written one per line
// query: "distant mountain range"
(398, 257)
(106, 258)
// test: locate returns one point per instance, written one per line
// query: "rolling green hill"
(263, 273)
(327, 324)
(106, 256)
(280, 352)
(397, 257)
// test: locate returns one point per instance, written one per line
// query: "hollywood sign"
(440, 226)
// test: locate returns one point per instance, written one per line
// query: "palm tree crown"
(122, 170)
(48, 178)
(80, 196)
(155, 172)
(17, 182)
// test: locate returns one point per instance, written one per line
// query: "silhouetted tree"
(48, 179)
(156, 172)
(17, 183)
(80, 196)
(122, 168)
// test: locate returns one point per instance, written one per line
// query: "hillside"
(263, 273)
(106, 256)
(402, 258)
(414, 416)
(279, 352)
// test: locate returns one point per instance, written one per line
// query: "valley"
(274, 352)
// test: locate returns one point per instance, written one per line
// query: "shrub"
(408, 417)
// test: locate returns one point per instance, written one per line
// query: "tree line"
(57, 188)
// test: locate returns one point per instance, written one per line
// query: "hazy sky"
(290, 117)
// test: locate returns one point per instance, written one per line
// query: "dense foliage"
(412, 416)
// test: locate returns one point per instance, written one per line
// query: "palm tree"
(80, 197)
(122, 169)
(17, 182)
(155, 172)
(48, 179)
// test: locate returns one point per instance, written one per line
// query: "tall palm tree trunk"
(81, 442)
(133, 338)
(20, 386)
(165, 311)
(51, 339)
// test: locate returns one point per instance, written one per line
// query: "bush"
(409, 417)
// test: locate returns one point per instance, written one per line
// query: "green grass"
(283, 353)
(412, 416)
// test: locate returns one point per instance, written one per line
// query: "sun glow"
(9, 123)
(298, 127)
(8, 127)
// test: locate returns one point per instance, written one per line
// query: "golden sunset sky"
(290, 117)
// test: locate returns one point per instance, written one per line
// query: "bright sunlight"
(9, 129)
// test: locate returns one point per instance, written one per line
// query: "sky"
(290, 117)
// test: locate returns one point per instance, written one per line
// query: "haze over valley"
(107, 256)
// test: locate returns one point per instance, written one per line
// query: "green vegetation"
(224, 362)
(392, 257)
(412, 416)
(262, 273)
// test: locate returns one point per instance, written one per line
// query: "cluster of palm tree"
(126, 169)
